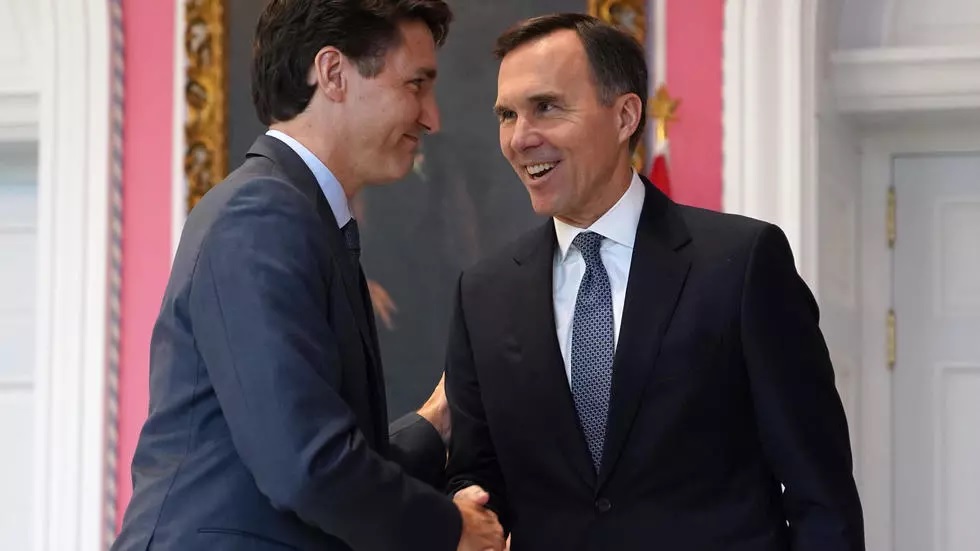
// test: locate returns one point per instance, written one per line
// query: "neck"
(604, 199)
(329, 148)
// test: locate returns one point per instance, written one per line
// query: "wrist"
(438, 417)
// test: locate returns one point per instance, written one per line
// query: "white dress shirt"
(331, 187)
(618, 226)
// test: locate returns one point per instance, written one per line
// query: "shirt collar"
(331, 187)
(618, 224)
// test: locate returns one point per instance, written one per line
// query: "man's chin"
(542, 206)
(395, 175)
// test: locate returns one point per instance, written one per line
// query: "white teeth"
(535, 170)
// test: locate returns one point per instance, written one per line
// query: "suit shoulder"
(245, 204)
(711, 220)
(247, 191)
(723, 229)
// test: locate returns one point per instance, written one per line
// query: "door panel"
(936, 384)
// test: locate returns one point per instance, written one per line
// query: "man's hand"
(481, 529)
(384, 307)
(435, 410)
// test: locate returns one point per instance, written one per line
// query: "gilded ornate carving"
(630, 16)
(205, 130)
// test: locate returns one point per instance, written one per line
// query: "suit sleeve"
(472, 457)
(799, 414)
(418, 448)
(258, 302)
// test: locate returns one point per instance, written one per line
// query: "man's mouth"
(538, 170)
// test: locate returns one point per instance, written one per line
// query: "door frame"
(75, 259)
(875, 459)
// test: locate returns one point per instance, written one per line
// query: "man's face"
(390, 111)
(561, 140)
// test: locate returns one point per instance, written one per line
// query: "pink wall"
(147, 153)
(694, 65)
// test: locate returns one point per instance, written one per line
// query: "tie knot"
(352, 237)
(588, 244)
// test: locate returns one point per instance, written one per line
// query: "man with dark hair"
(268, 426)
(636, 374)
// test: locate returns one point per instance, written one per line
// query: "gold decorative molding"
(631, 17)
(663, 109)
(205, 97)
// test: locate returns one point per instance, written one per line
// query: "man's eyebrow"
(542, 97)
(426, 72)
(545, 97)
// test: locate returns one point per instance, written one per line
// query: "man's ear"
(629, 108)
(327, 73)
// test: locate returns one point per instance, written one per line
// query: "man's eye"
(545, 107)
(505, 116)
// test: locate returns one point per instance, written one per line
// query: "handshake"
(481, 528)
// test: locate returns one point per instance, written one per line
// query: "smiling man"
(636, 374)
(268, 426)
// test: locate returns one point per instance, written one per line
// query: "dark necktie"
(593, 346)
(352, 238)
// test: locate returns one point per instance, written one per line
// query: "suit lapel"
(538, 341)
(299, 175)
(657, 273)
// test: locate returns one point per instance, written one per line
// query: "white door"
(936, 382)
(18, 272)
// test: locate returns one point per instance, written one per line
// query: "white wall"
(19, 53)
(18, 311)
(19, 99)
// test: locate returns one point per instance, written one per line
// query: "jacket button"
(602, 505)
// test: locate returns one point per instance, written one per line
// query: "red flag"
(663, 108)
(660, 173)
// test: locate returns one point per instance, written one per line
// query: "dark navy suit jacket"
(267, 427)
(722, 391)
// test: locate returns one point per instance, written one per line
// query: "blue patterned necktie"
(352, 238)
(593, 346)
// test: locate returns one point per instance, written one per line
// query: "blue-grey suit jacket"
(267, 427)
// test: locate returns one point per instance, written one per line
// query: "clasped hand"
(481, 528)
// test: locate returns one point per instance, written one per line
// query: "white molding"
(733, 84)
(907, 79)
(875, 456)
(945, 307)
(940, 489)
(178, 206)
(19, 84)
(659, 73)
(18, 116)
(887, 22)
(808, 255)
(73, 193)
(874, 459)
(769, 129)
